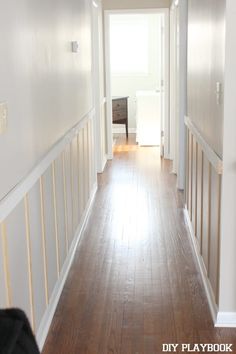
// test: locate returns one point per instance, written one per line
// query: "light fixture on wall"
(176, 2)
(95, 4)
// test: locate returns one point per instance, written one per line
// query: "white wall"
(228, 220)
(46, 86)
(48, 90)
(216, 37)
(206, 43)
(127, 85)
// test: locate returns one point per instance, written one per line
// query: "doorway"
(137, 71)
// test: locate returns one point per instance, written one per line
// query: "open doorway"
(137, 77)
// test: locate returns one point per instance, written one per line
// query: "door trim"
(107, 13)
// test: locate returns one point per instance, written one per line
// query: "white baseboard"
(226, 319)
(220, 319)
(167, 157)
(206, 283)
(42, 332)
(121, 130)
(104, 162)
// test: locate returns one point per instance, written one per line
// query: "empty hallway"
(134, 283)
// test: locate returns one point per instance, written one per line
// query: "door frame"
(178, 92)
(174, 86)
(99, 101)
(107, 13)
(95, 8)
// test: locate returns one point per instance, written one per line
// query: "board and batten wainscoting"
(203, 206)
(41, 222)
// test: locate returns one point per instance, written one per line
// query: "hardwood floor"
(134, 283)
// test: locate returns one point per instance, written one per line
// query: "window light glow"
(129, 45)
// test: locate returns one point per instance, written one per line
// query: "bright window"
(129, 45)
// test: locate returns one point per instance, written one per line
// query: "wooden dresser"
(120, 111)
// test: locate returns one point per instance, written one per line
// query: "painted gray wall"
(46, 86)
(206, 42)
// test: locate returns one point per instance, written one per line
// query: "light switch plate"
(3, 117)
(75, 46)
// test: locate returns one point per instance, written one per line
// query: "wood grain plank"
(134, 284)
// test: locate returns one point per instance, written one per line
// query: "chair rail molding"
(41, 222)
(203, 192)
(215, 160)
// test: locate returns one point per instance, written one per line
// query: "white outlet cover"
(3, 117)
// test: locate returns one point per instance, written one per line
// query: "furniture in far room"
(120, 111)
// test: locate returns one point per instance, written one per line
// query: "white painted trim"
(9, 202)
(182, 88)
(104, 163)
(173, 88)
(166, 13)
(226, 319)
(42, 332)
(107, 13)
(206, 283)
(108, 86)
(96, 83)
(137, 11)
(214, 159)
(121, 130)
(167, 157)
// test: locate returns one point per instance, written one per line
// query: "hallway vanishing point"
(134, 283)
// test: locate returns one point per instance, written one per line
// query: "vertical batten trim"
(201, 215)
(6, 265)
(189, 171)
(191, 182)
(82, 165)
(76, 171)
(94, 177)
(80, 209)
(196, 188)
(89, 158)
(65, 202)
(55, 218)
(186, 192)
(218, 244)
(85, 166)
(72, 189)
(29, 258)
(209, 220)
(45, 266)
